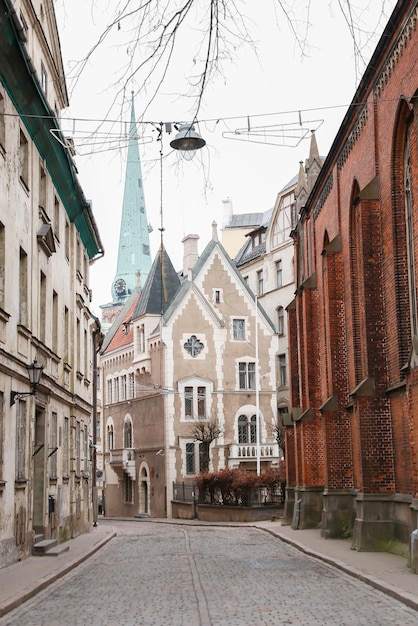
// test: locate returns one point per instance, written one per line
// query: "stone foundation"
(308, 507)
(338, 513)
(382, 523)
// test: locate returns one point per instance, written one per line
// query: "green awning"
(17, 76)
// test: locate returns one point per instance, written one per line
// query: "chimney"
(227, 213)
(190, 254)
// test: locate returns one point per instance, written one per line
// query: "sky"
(275, 91)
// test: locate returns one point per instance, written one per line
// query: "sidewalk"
(386, 572)
(21, 581)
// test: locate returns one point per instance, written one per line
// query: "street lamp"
(187, 141)
(34, 373)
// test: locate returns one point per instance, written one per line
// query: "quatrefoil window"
(193, 346)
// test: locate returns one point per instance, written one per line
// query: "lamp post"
(34, 373)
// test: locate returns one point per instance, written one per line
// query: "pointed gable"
(160, 288)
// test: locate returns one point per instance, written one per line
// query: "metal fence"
(184, 492)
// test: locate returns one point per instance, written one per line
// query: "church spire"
(134, 253)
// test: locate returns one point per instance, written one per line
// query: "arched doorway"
(144, 490)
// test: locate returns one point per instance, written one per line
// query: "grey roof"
(245, 220)
(160, 287)
(248, 253)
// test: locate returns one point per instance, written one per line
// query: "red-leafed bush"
(241, 487)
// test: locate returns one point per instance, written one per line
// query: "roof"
(245, 220)
(160, 287)
(121, 332)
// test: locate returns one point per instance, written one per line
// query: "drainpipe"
(97, 344)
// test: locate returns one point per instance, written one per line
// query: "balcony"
(248, 452)
(123, 459)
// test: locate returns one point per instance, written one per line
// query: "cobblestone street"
(165, 575)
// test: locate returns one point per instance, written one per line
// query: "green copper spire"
(134, 248)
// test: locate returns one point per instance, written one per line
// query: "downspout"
(97, 344)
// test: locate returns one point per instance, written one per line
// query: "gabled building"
(48, 238)
(266, 262)
(191, 357)
(352, 448)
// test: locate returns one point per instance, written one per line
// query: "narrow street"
(156, 574)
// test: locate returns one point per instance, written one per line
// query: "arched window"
(247, 429)
(280, 320)
(110, 441)
(410, 235)
(127, 434)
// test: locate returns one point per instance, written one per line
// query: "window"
(280, 320)
(42, 307)
(86, 448)
(44, 79)
(42, 187)
(279, 273)
(116, 389)
(65, 446)
(67, 240)
(195, 402)
(194, 457)
(238, 327)
(132, 385)
(127, 434)
(2, 124)
(77, 448)
(1, 433)
(128, 491)
(260, 282)
(56, 218)
(110, 440)
(55, 322)
(247, 429)
(23, 288)
(124, 387)
(217, 296)
(109, 392)
(410, 238)
(53, 445)
(2, 263)
(246, 375)
(20, 440)
(66, 335)
(282, 370)
(24, 159)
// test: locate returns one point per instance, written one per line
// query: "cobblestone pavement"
(164, 575)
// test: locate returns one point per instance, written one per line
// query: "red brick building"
(352, 447)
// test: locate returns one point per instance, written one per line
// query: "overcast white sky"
(268, 89)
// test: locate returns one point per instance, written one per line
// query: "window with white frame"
(260, 283)
(195, 402)
(279, 273)
(238, 328)
(110, 437)
(282, 370)
(193, 457)
(247, 429)
(280, 320)
(246, 374)
(109, 392)
(131, 385)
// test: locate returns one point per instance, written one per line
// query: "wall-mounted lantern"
(34, 373)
